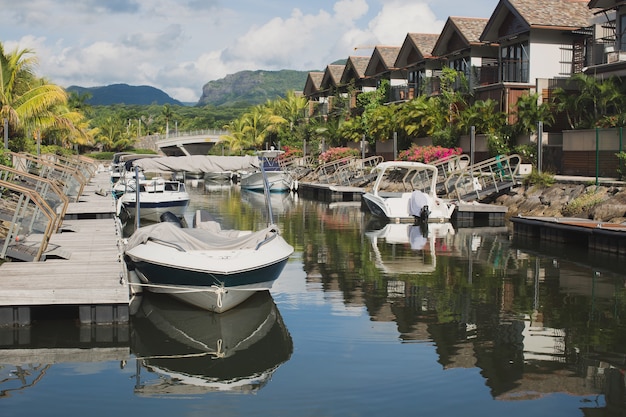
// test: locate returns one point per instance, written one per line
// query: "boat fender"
(170, 217)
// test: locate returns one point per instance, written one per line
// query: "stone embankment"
(605, 203)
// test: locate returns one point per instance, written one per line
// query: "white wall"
(546, 54)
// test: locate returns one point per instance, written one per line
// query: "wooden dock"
(594, 235)
(83, 266)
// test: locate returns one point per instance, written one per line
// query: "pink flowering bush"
(334, 154)
(290, 151)
(427, 154)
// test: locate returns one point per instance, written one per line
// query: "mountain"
(252, 87)
(124, 94)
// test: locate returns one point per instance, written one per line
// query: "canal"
(367, 319)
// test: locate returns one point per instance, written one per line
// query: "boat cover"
(197, 163)
(417, 201)
(206, 237)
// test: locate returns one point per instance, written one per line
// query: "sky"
(180, 45)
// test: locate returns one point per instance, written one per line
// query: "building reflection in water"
(534, 323)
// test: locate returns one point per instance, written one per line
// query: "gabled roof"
(415, 48)
(512, 17)
(604, 4)
(459, 33)
(355, 68)
(332, 76)
(383, 60)
(313, 83)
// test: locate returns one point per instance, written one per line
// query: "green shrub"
(543, 179)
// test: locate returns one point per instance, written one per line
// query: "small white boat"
(406, 191)
(279, 181)
(206, 266)
(188, 351)
(156, 196)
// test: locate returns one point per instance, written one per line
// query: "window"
(514, 63)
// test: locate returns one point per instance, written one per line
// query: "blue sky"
(179, 45)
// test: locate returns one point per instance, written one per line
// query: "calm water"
(367, 319)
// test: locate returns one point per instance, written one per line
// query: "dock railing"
(348, 171)
(27, 222)
(297, 166)
(448, 167)
(48, 189)
(72, 180)
(485, 178)
(357, 172)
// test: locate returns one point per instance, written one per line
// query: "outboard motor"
(170, 217)
(424, 214)
(418, 207)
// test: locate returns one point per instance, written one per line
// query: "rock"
(555, 200)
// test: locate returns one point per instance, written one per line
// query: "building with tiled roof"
(460, 48)
(539, 41)
(421, 67)
(354, 79)
(312, 90)
(382, 65)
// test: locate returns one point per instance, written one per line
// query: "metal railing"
(49, 190)
(485, 178)
(72, 179)
(27, 222)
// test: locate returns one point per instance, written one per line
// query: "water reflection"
(410, 249)
(189, 351)
(516, 320)
(533, 325)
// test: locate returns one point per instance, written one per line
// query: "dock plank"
(94, 273)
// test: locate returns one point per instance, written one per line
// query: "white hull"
(157, 197)
(212, 270)
(278, 181)
(397, 208)
(214, 299)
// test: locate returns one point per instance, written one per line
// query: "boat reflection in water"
(420, 242)
(188, 351)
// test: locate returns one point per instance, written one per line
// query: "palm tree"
(26, 102)
(236, 138)
(167, 113)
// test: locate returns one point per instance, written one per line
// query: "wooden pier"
(594, 235)
(82, 267)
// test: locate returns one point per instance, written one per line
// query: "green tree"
(529, 113)
(26, 102)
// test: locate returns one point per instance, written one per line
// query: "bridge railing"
(202, 132)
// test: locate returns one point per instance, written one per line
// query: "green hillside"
(252, 87)
(124, 94)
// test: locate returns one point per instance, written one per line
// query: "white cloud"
(399, 17)
(178, 46)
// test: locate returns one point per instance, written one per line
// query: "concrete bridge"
(197, 142)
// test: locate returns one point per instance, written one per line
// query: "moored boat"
(204, 265)
(279, 180)
(406, 191)
(156, 196)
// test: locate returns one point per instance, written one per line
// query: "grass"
(582, 203)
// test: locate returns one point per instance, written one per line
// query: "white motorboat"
(406, 191)
(279, 180)
(188, 351)
(156, 196)
(204, 265)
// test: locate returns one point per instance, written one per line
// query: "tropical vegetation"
(37, 111)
